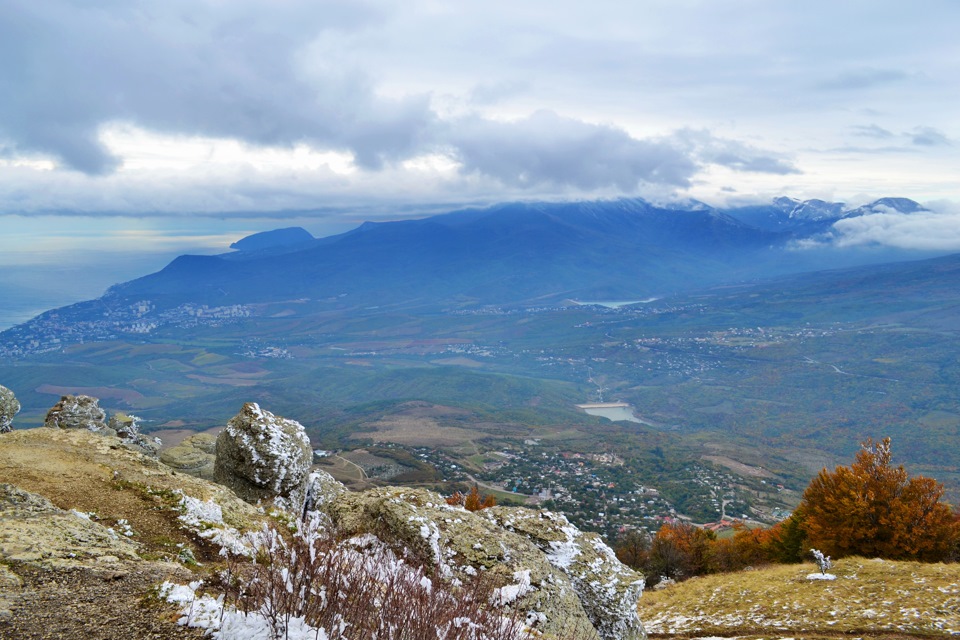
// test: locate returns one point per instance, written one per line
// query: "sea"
(28, 290)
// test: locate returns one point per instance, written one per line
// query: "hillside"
(108, 536)
(90, 530)
(869, 598)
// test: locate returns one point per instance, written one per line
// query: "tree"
(473, 501)
(872, 508)
(682, 550)
(633, 549)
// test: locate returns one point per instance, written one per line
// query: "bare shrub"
(358, 589)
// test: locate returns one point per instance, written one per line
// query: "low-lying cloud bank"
(937, 230)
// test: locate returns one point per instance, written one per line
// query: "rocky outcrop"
(37, 532)
(264, 457)
(9, 407)
(195, 455)
(607, 589)
(322, 490)
(127, 428)
(78, 412)
(461, 544)
(119, 506)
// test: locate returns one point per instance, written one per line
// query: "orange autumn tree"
(472, 501)
(874, 509)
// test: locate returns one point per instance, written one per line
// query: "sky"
(183, 125)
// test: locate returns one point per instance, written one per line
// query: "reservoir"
(613, 304)
(611, 411)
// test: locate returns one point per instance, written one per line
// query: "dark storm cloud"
(189, 68)
(282, 74)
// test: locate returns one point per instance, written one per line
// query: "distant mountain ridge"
(524, 254)
(276, 238)
(508, 253)
(804, 218)
(513, 253)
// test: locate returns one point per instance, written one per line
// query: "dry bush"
(472, 501)
(359, 590)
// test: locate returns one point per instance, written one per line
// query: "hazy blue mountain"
(275, 238)
(503, 254)
(517, 253)
(805, 218)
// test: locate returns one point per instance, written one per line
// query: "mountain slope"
(505, 254)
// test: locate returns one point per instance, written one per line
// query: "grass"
(869, 597)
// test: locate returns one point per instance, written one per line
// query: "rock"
(38, 533)
(127, 428)
(9, 407)
(195, 455)
(460, 544)
(78, 412)
(264, 457)
(608, 589)
(322, 490)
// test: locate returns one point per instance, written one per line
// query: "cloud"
(487, 93)
(929, 137)
(872, 131)
(866, 78)
(922, 230)
(231, 70)
(732, 154)
(546, 148)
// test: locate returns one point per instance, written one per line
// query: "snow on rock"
(322, 489)
(418, 524)
(9, 407)
(226, 623)
(205, 519)
(821, 576)
(77, 412)
(607, 589)
(264, 457)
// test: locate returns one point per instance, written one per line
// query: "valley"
(739, 392)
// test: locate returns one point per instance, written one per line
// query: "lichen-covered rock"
(9, 407)
(78, 412)
(460, 544)
(322, 490)
(608, 589)
(195, 455)
(37, 532)
(264, 457)
(127, 428)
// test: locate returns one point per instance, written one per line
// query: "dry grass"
(869, 597)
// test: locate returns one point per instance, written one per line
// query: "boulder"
(78, 412)
(322, 490)
(461, 544)
(195, 455)
(127, 428)
(607, 589)
(9, 407)
(264, 457)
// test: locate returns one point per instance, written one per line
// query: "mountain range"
(520, 253)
